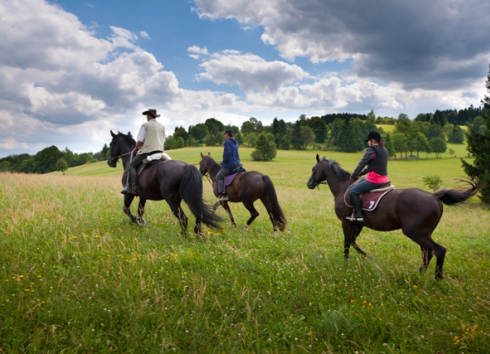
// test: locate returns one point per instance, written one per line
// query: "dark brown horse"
(247, 187)
(413, 210)
(170, 180)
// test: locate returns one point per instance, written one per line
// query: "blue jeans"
(220, 178)
(363, 187)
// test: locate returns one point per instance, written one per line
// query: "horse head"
(317, 173)
(327, 172)
(207, 164)
(120, 145)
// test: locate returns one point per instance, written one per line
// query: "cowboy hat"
(152, 112)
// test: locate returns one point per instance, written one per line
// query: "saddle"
(151, 160)
(370, 200)
(233, 173)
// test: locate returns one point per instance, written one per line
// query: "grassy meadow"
(76, 276)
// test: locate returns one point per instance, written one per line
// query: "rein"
(118, 157)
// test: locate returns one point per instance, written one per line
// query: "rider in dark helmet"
(376, 158)
(229, 162)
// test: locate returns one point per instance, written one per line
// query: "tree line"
(427, 132)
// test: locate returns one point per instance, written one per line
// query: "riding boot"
(131, 187)
(355, 199)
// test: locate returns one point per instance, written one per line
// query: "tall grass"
(76, 276)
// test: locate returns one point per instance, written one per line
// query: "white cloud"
(250, 72)
(418, 44)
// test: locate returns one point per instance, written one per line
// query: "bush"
(265, 148)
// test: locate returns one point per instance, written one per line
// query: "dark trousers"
(363, 187)
(220, 178)
(138, 159)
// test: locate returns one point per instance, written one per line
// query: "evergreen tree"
(265, 148)
(457, 135)
(350, 138)
(296, 136)
(479, 148)
(319, 128)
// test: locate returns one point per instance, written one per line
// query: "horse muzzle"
(112, 162)
(311, 184)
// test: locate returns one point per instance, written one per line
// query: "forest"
(426, 133)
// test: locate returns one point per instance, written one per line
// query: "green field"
(77, 277)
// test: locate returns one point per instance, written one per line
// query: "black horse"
(413, 210)
(247, 187)
(170, 180)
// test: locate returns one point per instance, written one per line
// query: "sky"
(71, 71)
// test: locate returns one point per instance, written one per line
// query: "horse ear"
(317, 158)
(202, 156)
(324, 158)
(209, 154)
(113, 135)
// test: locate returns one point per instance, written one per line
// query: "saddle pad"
(229, 178)
(369, 200)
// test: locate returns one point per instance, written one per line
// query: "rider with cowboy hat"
(150, 140)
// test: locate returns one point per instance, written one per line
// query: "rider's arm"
(369, 154)
(226, 153)
(139, 144)
(141, 137)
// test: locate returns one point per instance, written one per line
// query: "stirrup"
(353, 219)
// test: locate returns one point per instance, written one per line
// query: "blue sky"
(70, 71)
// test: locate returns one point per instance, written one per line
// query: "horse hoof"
(275, 234)
(246, 227)
(140, 222)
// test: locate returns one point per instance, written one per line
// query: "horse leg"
(427, 243)
(180, 215)
(230, 215)
(426, 257)
(216, 206)
(128, 199)
(141, 210)
(253, 213)
(351, 231)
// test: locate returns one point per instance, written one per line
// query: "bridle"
(116, 158)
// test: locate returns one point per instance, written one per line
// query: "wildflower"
(415, 287)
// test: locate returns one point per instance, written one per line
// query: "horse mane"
(128, 138)
(215, 165)
(339, 171)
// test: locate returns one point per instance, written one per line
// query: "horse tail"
(453, 196)
(191, 191)
(276, 211)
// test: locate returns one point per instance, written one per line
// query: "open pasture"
(76, 276)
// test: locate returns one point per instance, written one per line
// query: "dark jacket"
(376, 158)
(230, 154)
